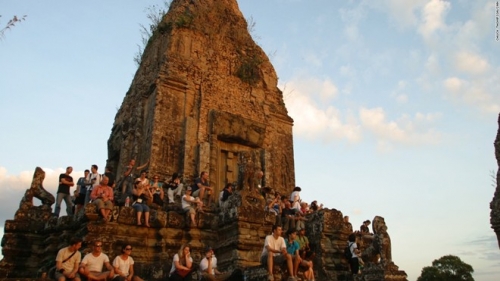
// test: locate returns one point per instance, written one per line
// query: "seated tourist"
(364, 229)
(187, 203)
(287, 217)
(274, 253)
(140, 195)
(305, 253)
(124, 266)
(67, 261)
(226, 192)
(201, 187)
(208, 268)
(92, 264)
(156, 188)
(102, 197)
(182, 265)
(314, 206)
(174, 188)
(274, 206)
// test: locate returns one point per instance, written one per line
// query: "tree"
(11, 24)
(447, 268)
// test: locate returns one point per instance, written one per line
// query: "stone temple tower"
(205, 98)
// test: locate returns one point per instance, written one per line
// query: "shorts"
(190, 210)
(80, 200)
(196, 193)
(58, 274)
(103, 205)
(141, 207)
(278, 259)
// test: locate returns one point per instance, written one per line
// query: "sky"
(394, 104)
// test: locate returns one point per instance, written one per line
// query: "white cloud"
(403, 12)
(405, 130)
(313, 121)
(479, 92)
(453, 84)
(433, 15)
(471, 63)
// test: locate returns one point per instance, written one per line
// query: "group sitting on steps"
(136, 191)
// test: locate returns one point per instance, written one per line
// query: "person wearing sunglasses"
(92, 264)
(124, 266)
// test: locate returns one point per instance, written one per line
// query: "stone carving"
(37, 191)
(495, 203)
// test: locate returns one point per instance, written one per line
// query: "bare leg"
(202, 193)
(289, 264)
(296, 263)
(193, 221)
(146, 219)
(270, 263)
(139, 218)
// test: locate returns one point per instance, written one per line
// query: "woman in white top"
(124, 266)
(182, 265)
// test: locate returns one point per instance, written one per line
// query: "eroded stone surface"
(495, 203)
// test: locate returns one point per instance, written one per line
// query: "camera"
(61, 270)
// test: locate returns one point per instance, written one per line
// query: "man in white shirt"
(67, 261)
(93, 262)
(274, 252)
(208, 267)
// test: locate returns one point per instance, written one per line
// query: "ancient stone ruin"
(205, 98)
(495, 203)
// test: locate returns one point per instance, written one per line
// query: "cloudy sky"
(395, 106)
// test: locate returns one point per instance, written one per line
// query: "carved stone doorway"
(237, 164)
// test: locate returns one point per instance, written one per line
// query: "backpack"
(347, 251)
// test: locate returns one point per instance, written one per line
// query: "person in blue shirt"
(292, 248)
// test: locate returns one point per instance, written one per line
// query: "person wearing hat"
(187, 203)
(208, 267)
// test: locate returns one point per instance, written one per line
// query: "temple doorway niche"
(237, 164)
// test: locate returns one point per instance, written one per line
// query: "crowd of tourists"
(287, 244)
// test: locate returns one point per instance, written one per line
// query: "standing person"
(95, 180)
(274, 252)
(108, 173)
(140, 195)
(68, 260)
(124, 266)
(353, 247)
(93, 262)
(174, 188)
(202, 185)
(295, 198)
(65, 182)
(82, 186)
(127, 184)
(156, 188)
(102, 196)
(182, 265)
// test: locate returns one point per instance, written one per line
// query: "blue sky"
(395, 106)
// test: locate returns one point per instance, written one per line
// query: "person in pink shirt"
(102, 197)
